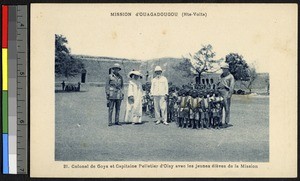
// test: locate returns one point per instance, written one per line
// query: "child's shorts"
(194, 114)
(204, 115)
(183, 112)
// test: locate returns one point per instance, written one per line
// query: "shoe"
(118, 124)
(157, 122)
(165, 123)
(110, 124)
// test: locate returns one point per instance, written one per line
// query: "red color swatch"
(4, 26)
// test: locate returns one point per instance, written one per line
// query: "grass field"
(82, 134)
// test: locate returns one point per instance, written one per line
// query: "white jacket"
(159, 86)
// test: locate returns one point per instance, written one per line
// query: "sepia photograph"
(138, 85)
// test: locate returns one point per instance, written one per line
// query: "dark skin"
(225, 71)
(116, 72)
(158, 73)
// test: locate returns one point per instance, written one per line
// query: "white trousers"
(160, 105)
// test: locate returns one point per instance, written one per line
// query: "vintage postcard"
(163, 90)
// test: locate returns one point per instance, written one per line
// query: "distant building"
(208, 79)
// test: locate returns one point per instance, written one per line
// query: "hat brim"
(116, 68)
(135, 73)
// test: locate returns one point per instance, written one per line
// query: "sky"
(246, 30)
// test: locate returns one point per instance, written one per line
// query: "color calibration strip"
(5, 89)
(14, 89)
(22, 90)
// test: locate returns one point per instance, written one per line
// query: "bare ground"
(82, 134)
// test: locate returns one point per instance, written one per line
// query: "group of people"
(194, 107)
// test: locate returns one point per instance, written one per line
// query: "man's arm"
(232, 84)
(122, 82)
(107, 87)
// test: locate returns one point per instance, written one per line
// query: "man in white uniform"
(159, 91)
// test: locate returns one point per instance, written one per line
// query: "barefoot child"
(194, 104)
(217, 107)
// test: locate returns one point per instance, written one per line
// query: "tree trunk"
(199, 78)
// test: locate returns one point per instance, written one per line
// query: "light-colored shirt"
(227, 85)
(228, 82)
(159, 86)
(194, 102)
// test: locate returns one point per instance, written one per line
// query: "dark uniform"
(114, 94)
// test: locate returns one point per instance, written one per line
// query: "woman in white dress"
(134, 98)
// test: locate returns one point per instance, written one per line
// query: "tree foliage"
(240, 70)
(252, 76)
(185, 67)
(65, 64)
(202, 61)
(238, 67)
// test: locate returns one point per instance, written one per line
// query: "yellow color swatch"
(4, 69)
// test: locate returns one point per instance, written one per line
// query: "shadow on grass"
(226, 126)
(130, 123)
(62, 91)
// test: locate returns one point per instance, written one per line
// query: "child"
(171, 102)
(144, 99)
(211, 98)
(175, 104)
(179, 116)
(194, 104)
(183, 108)
(150, 105)
(204, 110)
(216, 109)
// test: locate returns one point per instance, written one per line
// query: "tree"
(186, 67)
(238, 67)
(65, 64)
(252, 76)
(202, 61)
(241, 71)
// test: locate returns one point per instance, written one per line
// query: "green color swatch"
(4, 112)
